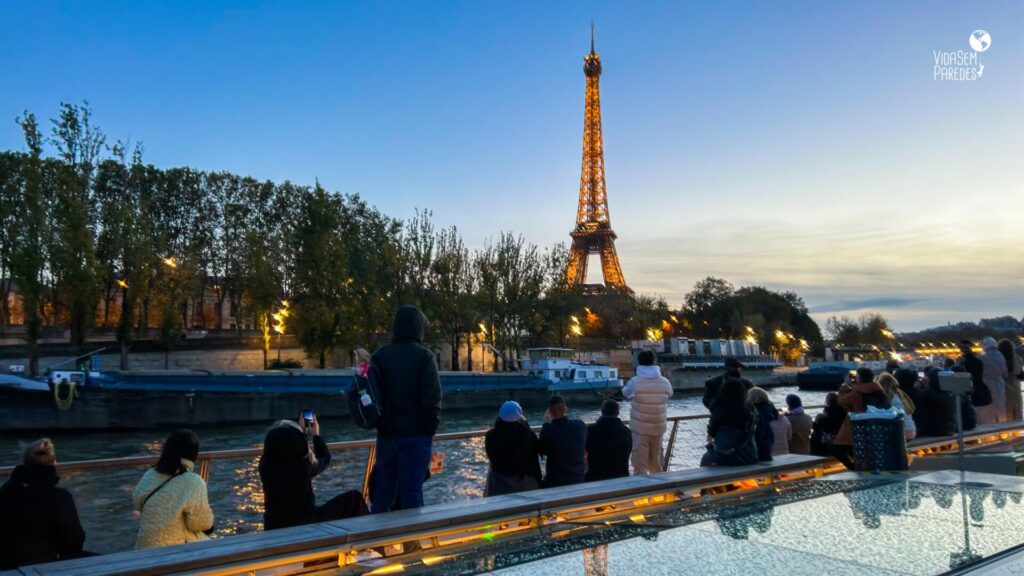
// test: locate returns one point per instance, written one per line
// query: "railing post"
(204, 469)
(371, 458)
(671, 443)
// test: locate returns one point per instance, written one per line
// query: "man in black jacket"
(411, 394)
(609, 444)
(981, 396)
(38, 521)
(712, 385)
(563, 441)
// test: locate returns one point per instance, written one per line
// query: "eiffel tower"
(593, 233)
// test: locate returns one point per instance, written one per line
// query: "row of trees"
(91, 235)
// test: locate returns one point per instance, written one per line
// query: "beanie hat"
(793, 401)
(510, 411)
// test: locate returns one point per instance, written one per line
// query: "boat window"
(597, 374)
(582, 374)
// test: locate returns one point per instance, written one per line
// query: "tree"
(452, 282)
(72, 249)
(262, 286)
(706, 307)
(27, 253)
(320, 275)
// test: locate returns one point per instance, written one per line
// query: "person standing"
(171, 499)
(513, 452)
(563, 441)
(732, 370)
(609, 443)
(411, 394)
(648, 393)
(38, 521)
(981, 395)
(800, 423)
(994, 374)
(1014, 373)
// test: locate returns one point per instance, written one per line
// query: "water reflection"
(757, 516)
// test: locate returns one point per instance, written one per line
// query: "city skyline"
(804, 150)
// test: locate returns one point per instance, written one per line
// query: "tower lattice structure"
(593, 233)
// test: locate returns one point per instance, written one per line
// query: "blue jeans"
(400, 470)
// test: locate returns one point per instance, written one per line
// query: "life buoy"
(64, 402)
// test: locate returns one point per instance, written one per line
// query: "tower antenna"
(591, 36)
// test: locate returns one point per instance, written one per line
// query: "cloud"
(865, 303)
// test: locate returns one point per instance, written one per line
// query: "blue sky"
(801, 146)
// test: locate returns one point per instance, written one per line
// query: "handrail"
(236, 453)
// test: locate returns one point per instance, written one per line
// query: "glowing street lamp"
(170, 261)
(122, 284)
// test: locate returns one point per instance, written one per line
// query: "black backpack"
(370, 415)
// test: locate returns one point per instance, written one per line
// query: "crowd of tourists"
(40, 522)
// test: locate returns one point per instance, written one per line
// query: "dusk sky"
(796, 145)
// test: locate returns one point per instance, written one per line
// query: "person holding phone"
(287, 468)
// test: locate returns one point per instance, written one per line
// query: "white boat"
(567, 375)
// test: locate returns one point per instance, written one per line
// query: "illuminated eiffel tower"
(593, 233)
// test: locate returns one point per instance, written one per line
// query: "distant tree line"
(778, 321)
(91, 235)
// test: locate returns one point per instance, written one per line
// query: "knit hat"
(793, 401)
(510, 411)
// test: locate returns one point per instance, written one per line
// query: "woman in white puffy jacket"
(648, 393)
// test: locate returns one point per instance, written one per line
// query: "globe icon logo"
(980, 40)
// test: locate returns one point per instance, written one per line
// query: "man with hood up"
(411, 394)
(994, 375)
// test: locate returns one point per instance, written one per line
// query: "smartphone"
(853, 374)
(307, 415)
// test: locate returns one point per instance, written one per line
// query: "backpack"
(368, 415)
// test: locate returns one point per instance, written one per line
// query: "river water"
(104, 497)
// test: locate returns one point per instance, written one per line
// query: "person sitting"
(901, 401)
(287, 468)
(609, 444)
(856, 396)
(648, 393)
(513, 452)
(563, 442)
(171, 499)
(827, 425)
(38, 520)
(731, 427)
(800, 423)
(773, 431)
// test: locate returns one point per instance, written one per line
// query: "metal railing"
(102, 487)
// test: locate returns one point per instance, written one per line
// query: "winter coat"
(286, 472)
(564, 442)
(783, 432)
(934, 410)
(981, 396)
(994, 372)
(801, 425)
(733, 438)
(609, 444)
(648, 393)
(825, 429)
(513, 452)
(38, 521)
(909, 427)
(409, 383)
(763, 434)
(857, 399)
(712, 385)
(173, 513)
